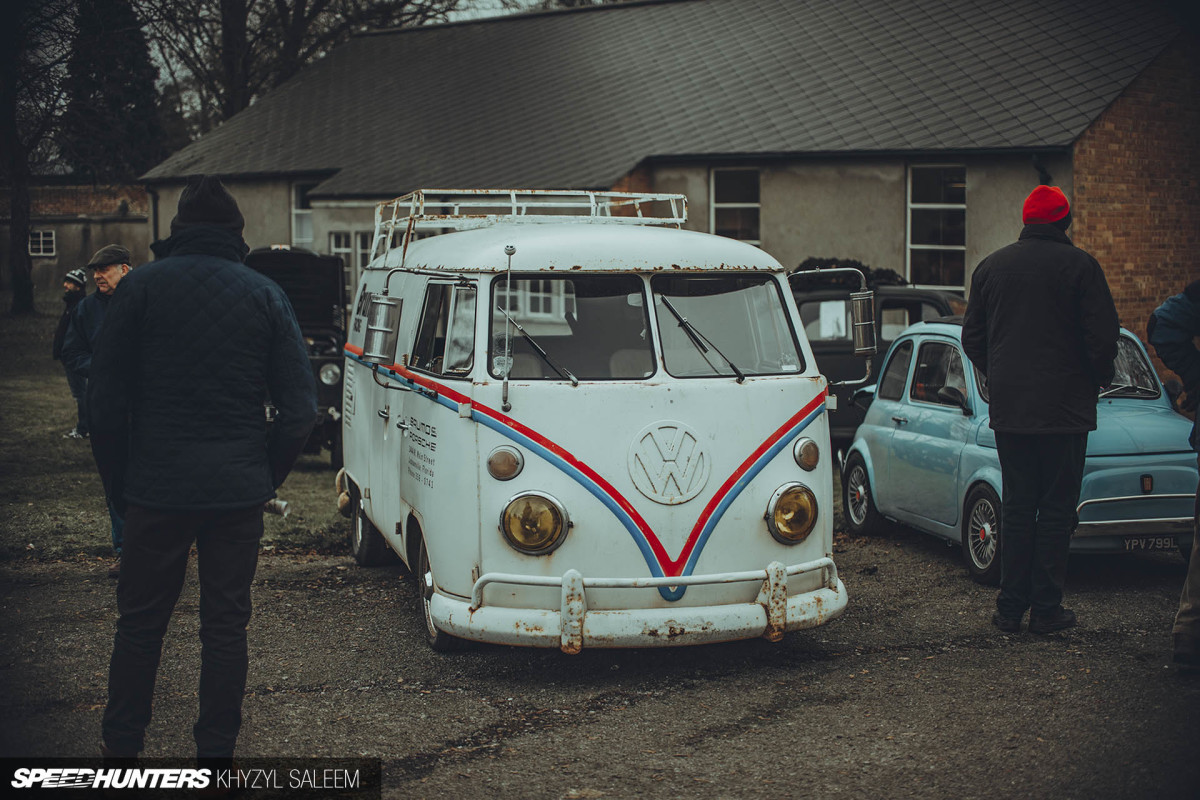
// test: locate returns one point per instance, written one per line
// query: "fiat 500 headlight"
(330, 374)
(534, 523)
(792, 513)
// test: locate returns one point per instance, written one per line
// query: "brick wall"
(1137, 185)
(88, 200)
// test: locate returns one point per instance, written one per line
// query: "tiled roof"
(577, 99)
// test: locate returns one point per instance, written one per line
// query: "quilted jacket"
(191, 346)
(1041, 325)
(1172, 330)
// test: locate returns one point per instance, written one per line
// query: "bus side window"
(446, 334)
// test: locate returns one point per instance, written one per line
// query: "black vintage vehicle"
(825, 313)
(316, 286)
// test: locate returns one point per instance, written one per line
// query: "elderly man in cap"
(193, 344)
(109, 266)
(1042, 327)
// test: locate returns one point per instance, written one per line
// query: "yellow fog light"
(505, 463)
(806, 453)
(534, 523)
(792, 513)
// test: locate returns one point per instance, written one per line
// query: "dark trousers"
(1041, 474)
(153, 565)
(78, 386)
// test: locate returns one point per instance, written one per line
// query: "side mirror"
(383, 330)
(953, 396)
(863, 397)
(862, 313)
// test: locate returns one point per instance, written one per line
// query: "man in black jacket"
(192, 345)
(1041, 325)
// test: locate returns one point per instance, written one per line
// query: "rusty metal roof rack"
(439, 210)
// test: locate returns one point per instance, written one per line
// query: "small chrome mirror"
(383, 329)
(862, 312)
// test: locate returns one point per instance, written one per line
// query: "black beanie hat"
(206, 202)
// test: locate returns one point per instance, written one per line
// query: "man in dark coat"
(192, 345)
(1041, 325)
(74, 290)
(1173, 329)
(109, 266)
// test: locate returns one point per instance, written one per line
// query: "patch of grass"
(52, 504)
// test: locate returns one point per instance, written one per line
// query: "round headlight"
(792, 513)
(806, 453)
(330, 374)
(505, 463)
(534, 523)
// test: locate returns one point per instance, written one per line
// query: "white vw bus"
(582, 426)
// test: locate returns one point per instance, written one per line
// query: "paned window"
(41, 243)
(735, 204)
(302, 227)
(937, 225)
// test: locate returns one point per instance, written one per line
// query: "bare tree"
(35, 41)
(219, 55)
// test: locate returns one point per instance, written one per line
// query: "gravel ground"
(911, 694)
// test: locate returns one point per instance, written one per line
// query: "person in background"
(74, 290)
(1172, 330)
(109, 266)
(1041, 326)
(193, 345)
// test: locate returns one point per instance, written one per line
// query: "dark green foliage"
(111, 130)
(875, 277)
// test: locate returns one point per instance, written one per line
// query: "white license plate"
(1150, 543)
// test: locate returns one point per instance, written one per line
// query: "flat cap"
(111, 254)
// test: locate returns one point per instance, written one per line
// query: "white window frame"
(714, 205)
(298, 213)
(346, 251)
(43, 237)
(909, 247)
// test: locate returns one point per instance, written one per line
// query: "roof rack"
(434, 211)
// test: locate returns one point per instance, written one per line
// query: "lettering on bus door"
(445, 348)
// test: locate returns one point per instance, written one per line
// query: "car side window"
(891, 383)
(938, 366)
(445, 342)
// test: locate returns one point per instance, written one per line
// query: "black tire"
(438, 639)
(367, 544)
(858, 499)
(981, 529)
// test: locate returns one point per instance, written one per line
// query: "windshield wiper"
(562, 371)
(699, 339)
(1125, 387)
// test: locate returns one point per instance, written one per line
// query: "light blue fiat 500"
(924, 455)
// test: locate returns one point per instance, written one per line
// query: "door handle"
(384, 412)
(900, 420)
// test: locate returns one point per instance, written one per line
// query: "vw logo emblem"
(667, 462)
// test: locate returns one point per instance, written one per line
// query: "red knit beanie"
(1045, 204)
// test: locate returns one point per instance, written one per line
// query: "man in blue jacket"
(192, 345)
(1041, 325)
(1173, 329)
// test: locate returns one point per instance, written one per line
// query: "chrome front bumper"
(1152, 526)
(573, 626)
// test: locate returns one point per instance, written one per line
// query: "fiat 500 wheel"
(981, 535)
(858, 501)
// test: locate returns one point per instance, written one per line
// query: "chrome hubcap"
(856, 495)
(982, 530)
